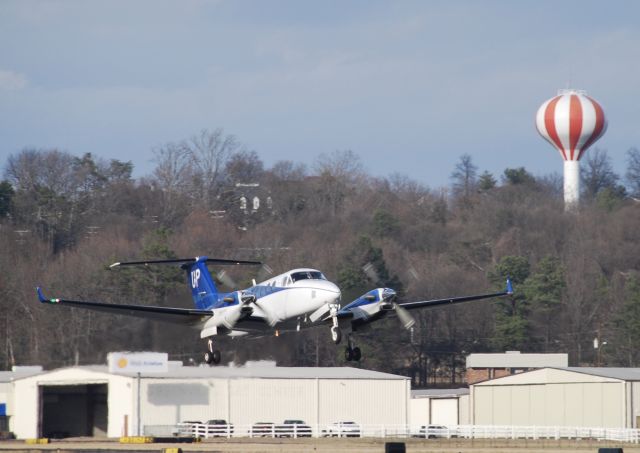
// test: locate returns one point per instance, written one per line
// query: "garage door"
(444, 411)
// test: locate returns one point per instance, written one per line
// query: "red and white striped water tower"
(571, 122)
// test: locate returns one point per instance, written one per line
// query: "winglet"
(43, 299)
(40, 295)
(509, 290)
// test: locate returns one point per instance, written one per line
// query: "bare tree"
(633, 171)
(285, 170)
(209, 152)
(597, 173)
(244, 166)
(464, 177)
(339, 173)
(174, 176)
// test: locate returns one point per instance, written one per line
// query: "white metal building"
(91, 401)
(7, 402)
(481, 367)
(447, 407)
(580, 397)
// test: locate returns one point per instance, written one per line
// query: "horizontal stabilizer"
(179, 261)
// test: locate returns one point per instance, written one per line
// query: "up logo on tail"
(195, 278)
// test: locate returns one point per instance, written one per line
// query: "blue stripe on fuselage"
(259, 291)
(362, 300)
(266, 290)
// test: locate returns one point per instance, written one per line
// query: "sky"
(409, 86)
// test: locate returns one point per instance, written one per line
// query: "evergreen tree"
(6, 198)
(627, 323)
(543, 292)
(511, 320)
(486, 182)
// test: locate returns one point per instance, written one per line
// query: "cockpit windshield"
(307, 275)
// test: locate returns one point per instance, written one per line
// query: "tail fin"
(203, 289)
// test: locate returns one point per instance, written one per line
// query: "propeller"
(271, 318)
(265, 272)
(406, 319)
(232, 316)
(226, 279)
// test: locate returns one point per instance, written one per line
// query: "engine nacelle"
(229, 316)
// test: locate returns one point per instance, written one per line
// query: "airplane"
(295, 300)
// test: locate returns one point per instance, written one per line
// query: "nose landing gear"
(336, 333)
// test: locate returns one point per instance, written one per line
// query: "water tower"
(571, 122)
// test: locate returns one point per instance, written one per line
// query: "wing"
(455, 300)
(166, 314)
(381, 302)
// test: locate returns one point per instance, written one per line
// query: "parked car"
(434, 431)
(263, 429)
(293, 428)
(342, 429)
(186, 428)
(218, 428)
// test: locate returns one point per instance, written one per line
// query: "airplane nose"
(329, 287)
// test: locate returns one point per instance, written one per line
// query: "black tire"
(216, 356)
(336, 335)
(348, 354)
(357, 354)
(208, 358)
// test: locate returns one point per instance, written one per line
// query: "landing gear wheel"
(348, 354)
(357, 354)
(212, 357)
(336, 334)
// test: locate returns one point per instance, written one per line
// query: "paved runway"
(89, 445)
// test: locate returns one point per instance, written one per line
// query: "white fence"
(394, 431)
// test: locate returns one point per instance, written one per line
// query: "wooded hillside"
(64, 219)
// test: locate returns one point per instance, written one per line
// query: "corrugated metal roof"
(8, 376)
(439, 393)
(604, 373)
(267, 372)
(624, 374)
(517, 360)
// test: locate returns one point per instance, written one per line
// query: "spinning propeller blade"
(265, 272)
(405, 318)
(272, 319)
(226, 279)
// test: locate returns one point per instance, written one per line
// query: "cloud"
(12, 81)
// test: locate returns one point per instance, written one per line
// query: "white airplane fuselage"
(285, 300)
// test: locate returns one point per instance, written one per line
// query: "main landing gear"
(351, 353)
(212, 356)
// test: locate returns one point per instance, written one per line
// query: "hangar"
(7, 402)
(447, 407)
(91, 401)
(577, 397)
